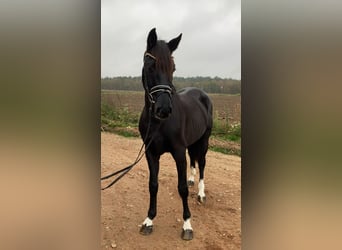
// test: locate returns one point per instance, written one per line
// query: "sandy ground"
(217, 224)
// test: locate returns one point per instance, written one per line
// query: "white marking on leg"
(201, 188)
(148, 222)
(187, 225)
(192, 174)
(193, 171)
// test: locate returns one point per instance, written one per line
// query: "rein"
(138, 158)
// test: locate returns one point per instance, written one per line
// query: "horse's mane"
(164, 60)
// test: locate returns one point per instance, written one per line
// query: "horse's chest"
(161, 144)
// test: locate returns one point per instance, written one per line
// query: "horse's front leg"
(153, 165)
(179, 156)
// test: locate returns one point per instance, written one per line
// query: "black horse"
(174, 121)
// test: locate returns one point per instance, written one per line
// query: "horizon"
(211, 77)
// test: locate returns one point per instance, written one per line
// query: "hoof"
(191, 183)
(187, 234)
(201, 199)
(146, 230)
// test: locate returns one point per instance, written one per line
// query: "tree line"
(208, 84)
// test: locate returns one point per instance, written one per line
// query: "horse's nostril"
(166, 111)
(163, 112)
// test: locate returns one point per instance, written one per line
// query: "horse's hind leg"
(191, 180)
(202, 151)
(201, 194)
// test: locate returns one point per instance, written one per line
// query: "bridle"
(159, 88)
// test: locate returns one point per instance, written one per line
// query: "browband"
(150, 55)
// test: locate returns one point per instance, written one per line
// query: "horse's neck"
(177, 102)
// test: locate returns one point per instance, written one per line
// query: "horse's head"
(158, 72)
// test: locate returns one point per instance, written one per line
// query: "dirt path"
(124, 206)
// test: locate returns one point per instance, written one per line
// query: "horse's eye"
(149, 61)
(150, 66)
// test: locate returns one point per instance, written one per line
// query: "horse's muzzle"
(163, 113)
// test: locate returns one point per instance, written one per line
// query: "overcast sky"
(210, 45)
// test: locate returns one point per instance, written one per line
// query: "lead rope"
(139, 156)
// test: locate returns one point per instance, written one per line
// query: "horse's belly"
(196, 127)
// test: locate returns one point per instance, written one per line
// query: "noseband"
(159, 89)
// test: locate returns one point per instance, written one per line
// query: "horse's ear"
(173, 44)
(151, 39)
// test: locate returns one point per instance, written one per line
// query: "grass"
(227, 132)
(118, 117)
(125, 123)
(222, 129)
(126, 133)
(225, 150)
